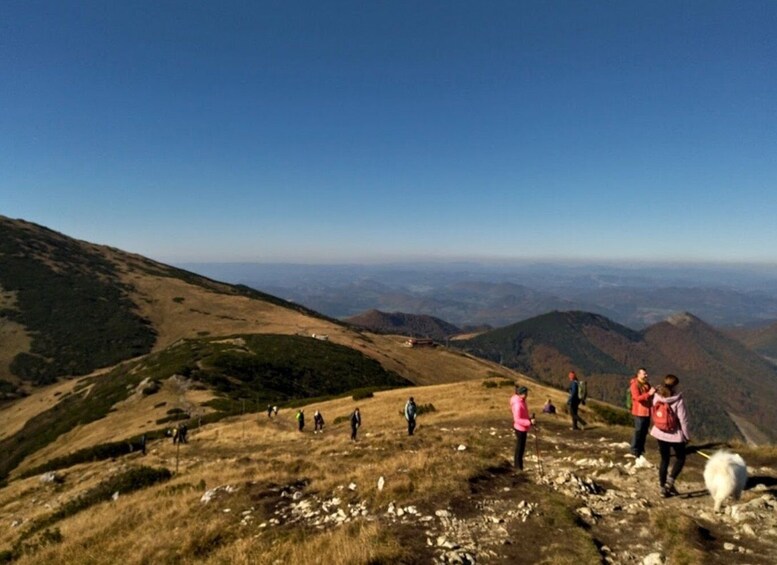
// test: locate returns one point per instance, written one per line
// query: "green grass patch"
(610, 414)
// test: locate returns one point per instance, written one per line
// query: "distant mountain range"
(471, 294)
(719, 375)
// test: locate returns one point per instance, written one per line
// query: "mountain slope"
(70, 307)
(716, 373)
(762, 340)
(404, 324)
(252, 487)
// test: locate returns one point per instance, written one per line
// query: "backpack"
(629, 399)
(582, 391)
(664, 417)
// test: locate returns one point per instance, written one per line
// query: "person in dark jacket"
(300, 419)
(573, 402)
(356, 422)
(318, 422)
(410, 414)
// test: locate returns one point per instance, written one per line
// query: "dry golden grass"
(167, 523)
(14, 416)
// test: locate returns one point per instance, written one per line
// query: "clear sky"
(373, 130)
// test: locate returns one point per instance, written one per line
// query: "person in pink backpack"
(675, 434)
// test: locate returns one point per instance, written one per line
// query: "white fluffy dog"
(725, 474)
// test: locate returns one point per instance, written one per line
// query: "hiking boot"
(664, 492)
(671, 490)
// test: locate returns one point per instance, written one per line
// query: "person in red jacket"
(641, 401)
(522, 423)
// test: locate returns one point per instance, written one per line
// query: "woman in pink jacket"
(522, 423)
(671, 439)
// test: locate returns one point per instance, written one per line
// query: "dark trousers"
(520, 447)
(353, 432)
(641, 427)
(664, 448)
(410, 426)
(576, 419)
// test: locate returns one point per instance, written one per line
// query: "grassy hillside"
(250, 487)
(244, 373)
(68, 307)
(70, 301)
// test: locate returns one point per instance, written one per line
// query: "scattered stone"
(115, 496)
(381, 483)
(50, 477)
(653, 559)
(462, 447)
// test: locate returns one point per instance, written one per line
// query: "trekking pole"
(703, 454)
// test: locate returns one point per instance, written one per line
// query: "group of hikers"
(179, 434)
(662, 405)
(410, 412)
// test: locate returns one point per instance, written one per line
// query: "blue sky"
(339, 131)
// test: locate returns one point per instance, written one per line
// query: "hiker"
(300, 419)
(574, 401)
(269, 411)
(549, 408)
(410, 414)
(675, 434)
(182, 431)
(641, 400)
(318, 422)
(356, 422)
(143, 444)
(274, 410)
(174, 433)
(522, 423)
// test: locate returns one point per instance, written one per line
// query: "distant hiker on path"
(174, 433)
(274, 410)
(522, 423)
(300, 419)
(675, 434)
(574, 400)
(143, 444)
(410, 414)
(641, 401)
(356, 422)
(269, 411)
(182, 431)
(318, 422)
(548, 407)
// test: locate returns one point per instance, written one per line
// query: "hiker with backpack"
(356, 422)
(641, 396)
(410, 414)
(300, 419)
(318, 423)
(670, 428)
(573, 402)
(522, 423)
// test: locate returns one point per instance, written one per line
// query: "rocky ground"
(508, 517)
